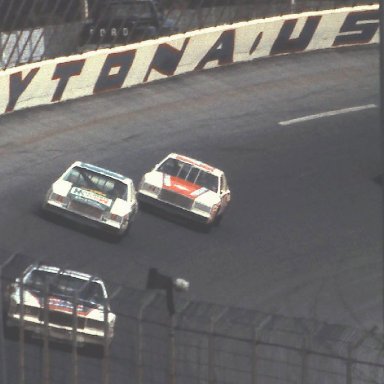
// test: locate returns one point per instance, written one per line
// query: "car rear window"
(87, 179)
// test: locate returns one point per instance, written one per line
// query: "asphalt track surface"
(302, 236)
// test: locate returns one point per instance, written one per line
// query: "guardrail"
(36, 30)
(90, 73)
(200, 343)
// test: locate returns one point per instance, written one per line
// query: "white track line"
(326, 114)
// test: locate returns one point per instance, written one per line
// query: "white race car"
(43, 300)
(188, 187)
(95, 196)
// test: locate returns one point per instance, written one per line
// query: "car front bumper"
(200, 218)
(60, 333)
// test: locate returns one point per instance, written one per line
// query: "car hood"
(181, 187)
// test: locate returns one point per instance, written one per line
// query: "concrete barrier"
(76, 76)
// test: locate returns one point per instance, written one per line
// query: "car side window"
(75, 177)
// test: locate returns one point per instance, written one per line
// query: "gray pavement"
(303, 235)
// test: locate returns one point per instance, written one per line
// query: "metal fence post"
(4, 285)
(21, 335)
(145, 304)
(46, 361)
(75, 358)
(349, 366)
(351, 348)
(256, 331)
(304, 366)
(211, 346)
(3, 376)
(106, 345)
(172, 353)
(305, 354)
(293, 6)
(254, 358)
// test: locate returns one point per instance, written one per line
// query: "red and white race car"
(188, 187)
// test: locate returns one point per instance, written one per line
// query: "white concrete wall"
(76, 76)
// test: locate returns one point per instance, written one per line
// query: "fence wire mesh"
(200, 343)
(34, 30)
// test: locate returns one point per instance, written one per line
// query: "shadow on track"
(89, 231)
(175, 219)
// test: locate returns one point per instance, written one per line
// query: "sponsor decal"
(109, 32)
(92, 73)
(60, 305)
(199, 192)
(86, 196)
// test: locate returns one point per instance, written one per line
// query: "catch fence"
(34, 30)
(200, 343)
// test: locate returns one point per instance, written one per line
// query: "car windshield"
(102, 184)
(64, 286)
(189, 172)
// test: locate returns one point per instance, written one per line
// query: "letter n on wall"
(166, 59)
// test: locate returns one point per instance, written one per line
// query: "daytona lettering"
(121, 67)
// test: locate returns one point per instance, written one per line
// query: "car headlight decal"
(118, 218)
(115, 217)
(202, 207)
(59, 198)
(151, 188)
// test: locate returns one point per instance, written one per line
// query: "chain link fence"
(34, 30)
(200, 343)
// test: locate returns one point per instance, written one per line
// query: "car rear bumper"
(81, 219)
(172, 209)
